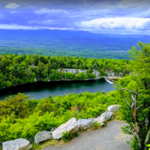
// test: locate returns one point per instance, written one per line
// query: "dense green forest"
(21, 69)
(23, 117)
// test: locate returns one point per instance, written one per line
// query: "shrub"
(67, 136)
(96, 125)
(12, 128)
(49, 113)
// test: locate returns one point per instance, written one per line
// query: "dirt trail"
(109, 137)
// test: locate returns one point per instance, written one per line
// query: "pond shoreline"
(42, 89)
(53, 81)
(95, 72)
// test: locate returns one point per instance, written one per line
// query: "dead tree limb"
(134, 109)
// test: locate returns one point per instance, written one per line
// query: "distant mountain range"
(65, 42)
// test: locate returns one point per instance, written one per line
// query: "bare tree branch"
(128, 91)
(132, 97)
(138, 107)
(132, 105)
(134, 112)
(128, 102)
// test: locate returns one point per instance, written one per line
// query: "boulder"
(91, 119)
(18, 144)
(42, 136)
(70, 126)
(100, 120)
(106, 115)
(113, 108)
(84, 124)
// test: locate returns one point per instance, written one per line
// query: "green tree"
(54, 75)
(14, 104)
(40, 69)
(90, 75)
(70, 75)
(82, 76)
(136, 98)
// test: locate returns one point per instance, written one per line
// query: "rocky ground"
(109, 137)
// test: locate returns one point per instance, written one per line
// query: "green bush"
(12, 128)
(96, 125)
(67, 137)
(49, 113)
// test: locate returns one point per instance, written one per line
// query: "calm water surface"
(42, 89)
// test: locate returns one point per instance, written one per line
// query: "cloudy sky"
(101, 16)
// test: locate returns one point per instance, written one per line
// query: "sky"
(96, 16)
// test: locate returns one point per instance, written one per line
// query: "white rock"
(100, 120)
(18, 144)
(107, 115)
(91, 119)
(84, 124)
(113, 108)
(70, 126)
(42, 136)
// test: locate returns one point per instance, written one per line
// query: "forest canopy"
(21, 69)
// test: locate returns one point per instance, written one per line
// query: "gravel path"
(109, 137)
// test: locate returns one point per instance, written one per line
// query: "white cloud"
(114, 23)
(12, 5)
(15, 26)
(50, 11)
(103, 31)
(119, 31)
(23, 27)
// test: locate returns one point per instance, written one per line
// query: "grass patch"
(36, 147)
(96, 125)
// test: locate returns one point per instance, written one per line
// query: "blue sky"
(103, 16)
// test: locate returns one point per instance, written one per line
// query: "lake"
(42, 89)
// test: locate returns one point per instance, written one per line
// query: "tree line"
(21, 69)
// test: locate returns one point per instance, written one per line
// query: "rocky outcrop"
(70, 126)
(42, 136)
(106, 115)
(18, 144)
(113, 108)
(84, 124)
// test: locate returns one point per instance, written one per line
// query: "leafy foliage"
(14, 104)
(67, 136)
(22, 69)
(49, 113)
(135, 95)
(96, 125)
